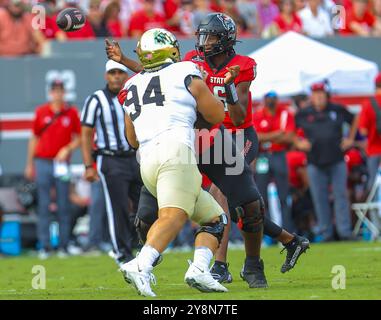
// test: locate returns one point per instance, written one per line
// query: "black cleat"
(220, 272)
(254, 274)
(294, 249)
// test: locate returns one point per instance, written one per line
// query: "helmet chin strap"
(167, 62)
(227, 54)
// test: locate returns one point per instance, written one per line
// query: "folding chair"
(371, 204)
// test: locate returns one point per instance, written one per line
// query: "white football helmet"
(157, 47)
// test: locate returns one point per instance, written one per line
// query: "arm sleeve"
(89, 111)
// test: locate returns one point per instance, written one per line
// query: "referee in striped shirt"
(116, 164)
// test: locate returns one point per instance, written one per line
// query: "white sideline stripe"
(110, 213)
(17, 116)
(15, 134)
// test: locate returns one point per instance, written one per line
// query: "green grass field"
(98, 278)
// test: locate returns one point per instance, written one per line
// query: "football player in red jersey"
(215, 54)
(220, 60)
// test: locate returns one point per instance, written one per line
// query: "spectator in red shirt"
(360, 21)
(17, 35)
(111, 18)
(51, 30)
(302, 206)
(56, 131)
(275, 127)
(86, 32)
(216, 6)
(297, 169)
(146, 19)
(288, 20)
(377, 13)
(171, 12)
(370, 126)
(96, 17)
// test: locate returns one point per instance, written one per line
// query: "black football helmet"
(221, 26)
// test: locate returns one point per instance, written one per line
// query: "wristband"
(88, 166)
(231, 93)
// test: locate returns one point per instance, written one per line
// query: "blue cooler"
(10, 238)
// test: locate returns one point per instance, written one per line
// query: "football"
(70, 19)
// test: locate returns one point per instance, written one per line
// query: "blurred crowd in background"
(130, 18)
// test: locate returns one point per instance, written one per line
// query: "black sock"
(290, 243)
(271, 229)
(251, 262)
(220, 263)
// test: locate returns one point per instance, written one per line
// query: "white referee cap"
(111, 65)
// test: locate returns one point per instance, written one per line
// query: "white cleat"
(140, 279)
(202, 280)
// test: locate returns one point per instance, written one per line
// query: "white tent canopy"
(292, 62)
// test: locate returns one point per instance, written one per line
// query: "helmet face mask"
(224, 30)
(209, 44)
(157, 47)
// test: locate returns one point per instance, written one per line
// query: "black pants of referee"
(121, 182)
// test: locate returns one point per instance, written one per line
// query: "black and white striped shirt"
(103, 111)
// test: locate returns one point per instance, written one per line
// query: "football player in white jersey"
(160, 107)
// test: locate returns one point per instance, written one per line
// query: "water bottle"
(54, 234)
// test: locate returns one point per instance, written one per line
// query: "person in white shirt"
(316, 20)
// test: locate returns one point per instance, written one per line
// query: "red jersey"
(265, 122)
(141, 22)
(353, 158)
(367, 20)
(115, 28)
(295, 24)
(295, 160)
(51, 27)
(215, 82)
(368, 121)
(86, 32)
(58, 134)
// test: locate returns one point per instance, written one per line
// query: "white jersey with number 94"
(161, 106)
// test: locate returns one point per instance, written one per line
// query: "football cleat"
(140, 279)
(220, 272)
(294, 249)
(202, 280)
(254, 275)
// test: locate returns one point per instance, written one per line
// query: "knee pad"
(142, 229)
(214, 228)
(250, 216)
